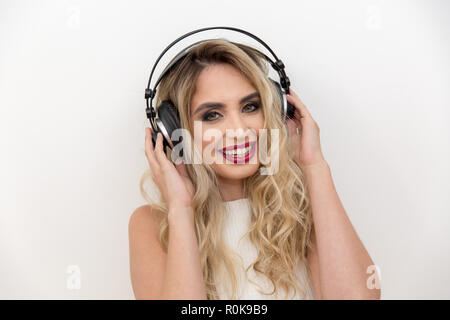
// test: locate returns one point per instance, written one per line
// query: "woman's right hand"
(172, 179)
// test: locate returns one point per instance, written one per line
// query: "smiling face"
(225, 100)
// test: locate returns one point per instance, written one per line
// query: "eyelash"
(207, 114)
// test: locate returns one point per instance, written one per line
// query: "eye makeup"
(207, 116)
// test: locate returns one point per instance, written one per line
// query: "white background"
(375, 75)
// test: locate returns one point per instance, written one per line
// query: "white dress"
(237, 223)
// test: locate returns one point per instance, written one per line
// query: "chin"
(235, 171)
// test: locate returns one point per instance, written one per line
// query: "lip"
(244, 145)
(237, 159)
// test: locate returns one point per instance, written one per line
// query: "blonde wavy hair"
(281, 219)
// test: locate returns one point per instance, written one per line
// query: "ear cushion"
(290, 107)
(278, 86)
(170, 118)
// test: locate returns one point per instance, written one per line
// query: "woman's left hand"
(306, 144)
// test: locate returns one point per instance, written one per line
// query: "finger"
(181, 168)
(149, 153)
(294, 99)
(160, 156)
(297, 117)
(148, 140)
(291, 127)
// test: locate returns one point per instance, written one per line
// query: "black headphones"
(168, 119)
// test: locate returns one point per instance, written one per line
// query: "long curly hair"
(281, 217)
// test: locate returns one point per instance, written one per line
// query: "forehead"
(220, 83)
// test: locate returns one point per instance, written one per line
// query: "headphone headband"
(278, 65)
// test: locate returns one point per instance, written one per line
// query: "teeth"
(239, 152)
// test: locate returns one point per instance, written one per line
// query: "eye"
(207, 116)
(213, 115)
(253, 106)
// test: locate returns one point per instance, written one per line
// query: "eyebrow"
(210, 105)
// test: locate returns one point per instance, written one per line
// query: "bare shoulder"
(147, 257)
(145, 217)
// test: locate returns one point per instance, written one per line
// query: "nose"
(236, 121)
(239, 127)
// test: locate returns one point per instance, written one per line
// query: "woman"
(298, 233)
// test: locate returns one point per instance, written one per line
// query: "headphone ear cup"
(290, 107)
(169, 121)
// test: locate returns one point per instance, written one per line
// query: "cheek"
(258, 123)
(261, 120)
(211, 140)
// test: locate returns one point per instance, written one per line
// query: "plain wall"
(375, 76)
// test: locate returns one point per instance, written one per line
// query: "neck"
(231, 189)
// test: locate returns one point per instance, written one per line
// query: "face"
(225, 100)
